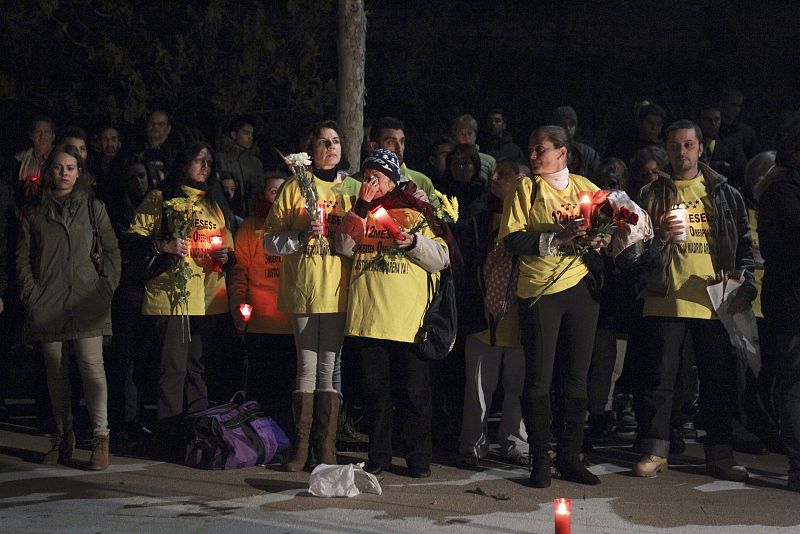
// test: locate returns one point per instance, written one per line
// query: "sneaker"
(468, 459)
(650, 465)
(727, 469)
(518, 457)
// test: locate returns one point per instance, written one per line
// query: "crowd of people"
(581, 283)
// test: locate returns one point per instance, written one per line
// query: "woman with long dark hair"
(67, 296)
(182, 325)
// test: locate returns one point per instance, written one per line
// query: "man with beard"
(685, 253)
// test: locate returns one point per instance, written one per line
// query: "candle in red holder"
(216, 244)
(586, 206)
(387, 222)
(562, 515)
(322, 214)
(246, 310)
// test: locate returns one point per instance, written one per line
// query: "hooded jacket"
(734, 250)
(63, 295)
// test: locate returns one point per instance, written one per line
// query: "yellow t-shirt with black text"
(388, 291)
(692, 262)
(550, 212)
(207, 292)
(314, 280)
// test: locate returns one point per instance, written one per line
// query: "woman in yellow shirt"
(388, 298)
(313, 289)
(181, 373)
(541, 225)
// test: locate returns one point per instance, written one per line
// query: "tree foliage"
(202, 60)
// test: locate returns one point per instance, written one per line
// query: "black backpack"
(437, 335)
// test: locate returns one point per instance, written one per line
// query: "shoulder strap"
(92, 216)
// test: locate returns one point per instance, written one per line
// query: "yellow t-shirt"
(507, 333)
(551, 210)
(207, 293)
(388, 292)
(314, 280)
(692, 262)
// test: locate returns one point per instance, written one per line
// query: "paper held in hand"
(741, 327)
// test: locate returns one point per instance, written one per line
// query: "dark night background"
(85, 62)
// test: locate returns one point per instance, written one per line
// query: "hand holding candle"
(675, 224)
(562, 515)
(382, 216)
(246, 310)
(216, 247)
(586, 206)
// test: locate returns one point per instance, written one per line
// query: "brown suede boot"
(99, 458)
(303, 408)
(62, 447)
(326, 423)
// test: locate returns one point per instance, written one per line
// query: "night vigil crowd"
(582, 285)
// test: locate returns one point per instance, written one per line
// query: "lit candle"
(586, 206)
(216, 244)
(562, 514)
(682, 215)
(246, 310)
(322, 215)
(382, 216)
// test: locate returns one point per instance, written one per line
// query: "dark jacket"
(63, 295)
(583, 160)
(734, 244)
(779, 238)
(246, 168)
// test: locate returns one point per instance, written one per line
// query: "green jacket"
(63, 295)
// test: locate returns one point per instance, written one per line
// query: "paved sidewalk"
(136, 495)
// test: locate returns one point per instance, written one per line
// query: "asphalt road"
(137, 495)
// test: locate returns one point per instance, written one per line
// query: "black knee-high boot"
(568, 460)
(536, 412)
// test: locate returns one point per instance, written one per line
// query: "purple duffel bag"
(231, 436)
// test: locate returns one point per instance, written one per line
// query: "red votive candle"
(562, 515)
(322, 214)
(382, 216)
(216, 244)
(246, 310)
(586, 206)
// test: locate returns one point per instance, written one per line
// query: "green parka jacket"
(63, 295)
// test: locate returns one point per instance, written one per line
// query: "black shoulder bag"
(437, 335)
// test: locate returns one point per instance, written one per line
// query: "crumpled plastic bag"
(627, 235)
(742, 327)
(342, 481)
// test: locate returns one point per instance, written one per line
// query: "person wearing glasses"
(181, 380)
(557, 298)
(313, 289)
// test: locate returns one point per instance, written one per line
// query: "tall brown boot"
(99, 458)
(303, 408)
(326, 423)
(62, 447)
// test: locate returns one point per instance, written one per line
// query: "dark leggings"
(573, 312)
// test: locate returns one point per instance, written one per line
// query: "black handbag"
(437, 335)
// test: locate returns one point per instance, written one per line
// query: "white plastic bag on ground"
(342, 481)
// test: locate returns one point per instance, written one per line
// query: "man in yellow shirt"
(717, 239)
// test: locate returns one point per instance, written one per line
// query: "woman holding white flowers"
(313, 286)
(176, 224)
(389, 294)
